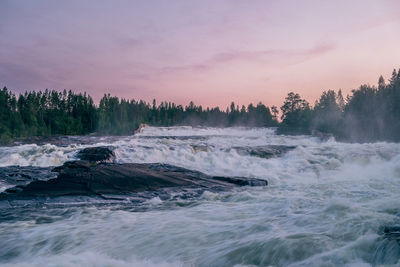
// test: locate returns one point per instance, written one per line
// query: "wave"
(225, 151)
(325, 205)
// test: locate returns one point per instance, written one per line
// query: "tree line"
(45, 113)
(370, 113)
(124, 116)
(67, 113)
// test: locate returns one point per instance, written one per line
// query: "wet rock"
(387, 250)
(97, 154)
(392, 232)
(175, 137)
(201, 148)
(84, 178)
(140, 128)
(21, 175)
(322, 135)
(269, 151)
(241, 181)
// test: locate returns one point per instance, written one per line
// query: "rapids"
(326, 205)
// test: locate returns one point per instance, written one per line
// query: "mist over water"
(325, 205)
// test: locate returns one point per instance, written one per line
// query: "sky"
(209, 51)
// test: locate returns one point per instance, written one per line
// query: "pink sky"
(211, 51)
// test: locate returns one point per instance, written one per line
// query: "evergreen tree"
(296, 115)
(368, 114)
(327, 113)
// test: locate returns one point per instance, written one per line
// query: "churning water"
(326, 205)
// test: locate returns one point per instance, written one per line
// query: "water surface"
(325, 205)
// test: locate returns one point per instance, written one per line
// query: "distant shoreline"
(370, 114)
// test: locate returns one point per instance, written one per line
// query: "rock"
(175, 137)
(321, 135)
(97, 154)
(269, 151)
(140, 128)
(241, 181)
(392, 232)
(21, 175)
(387, 249)
(201, 148)
(84, 178)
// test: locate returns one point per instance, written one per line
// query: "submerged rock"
(387, 251)
(269, 151)
(97, 154)
(84, 178)
(322, 135)
(392, 232)
(201, 148)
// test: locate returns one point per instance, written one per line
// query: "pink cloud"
(273, 56)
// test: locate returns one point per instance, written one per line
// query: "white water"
(325, 205)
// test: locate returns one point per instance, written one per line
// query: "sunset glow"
(211, 52)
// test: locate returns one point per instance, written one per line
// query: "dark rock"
(21, 175)
(97, 154)
(78, 165)
(392, 232)
(241, 181)
(269, 151)
(387, 251)
(322, 135)
(84, 178)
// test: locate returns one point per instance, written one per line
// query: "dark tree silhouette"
(370, 113)
(296, 115)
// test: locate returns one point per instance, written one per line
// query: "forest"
(51, 113)
(370, 113)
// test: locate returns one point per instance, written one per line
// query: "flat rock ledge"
(87, 178)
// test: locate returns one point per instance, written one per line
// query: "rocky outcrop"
(84, 178)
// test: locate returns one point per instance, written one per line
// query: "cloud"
(267, 55)
(279, 57)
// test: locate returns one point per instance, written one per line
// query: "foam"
(325, 205)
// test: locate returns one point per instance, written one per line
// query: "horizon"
(184, 105)
(181, 52)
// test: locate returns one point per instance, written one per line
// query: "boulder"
(97, 154)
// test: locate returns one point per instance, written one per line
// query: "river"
(326, 204)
